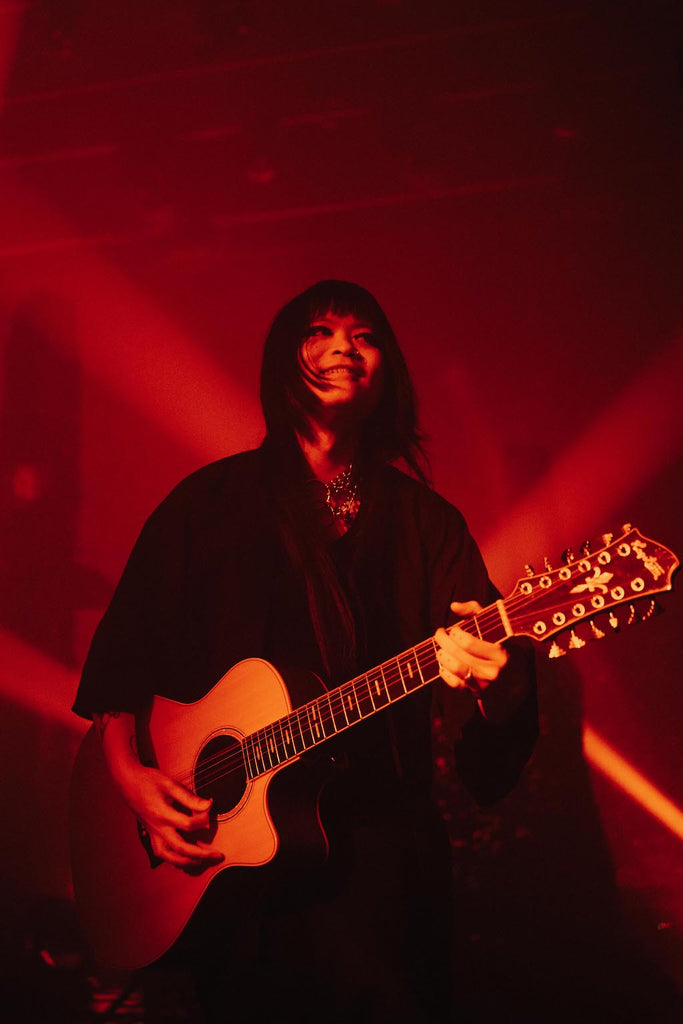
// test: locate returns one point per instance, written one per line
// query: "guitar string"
(235, 759)
(362, 677)
(487, 616)
(335, 700)
(337, 695)
(327, 713)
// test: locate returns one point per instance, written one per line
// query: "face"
(344, 364)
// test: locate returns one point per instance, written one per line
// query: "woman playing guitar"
(317, 554)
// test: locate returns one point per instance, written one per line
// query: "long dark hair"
(390, 434)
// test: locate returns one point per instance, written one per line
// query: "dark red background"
(506, 177)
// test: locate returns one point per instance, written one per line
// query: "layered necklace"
(341, 496)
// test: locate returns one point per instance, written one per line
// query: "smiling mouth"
(348, 372)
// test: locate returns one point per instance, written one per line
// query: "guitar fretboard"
(356, 700)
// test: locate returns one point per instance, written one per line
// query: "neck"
(328, 451)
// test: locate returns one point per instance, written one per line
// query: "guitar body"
(132, 906)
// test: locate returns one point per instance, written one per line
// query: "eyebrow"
(324, 318)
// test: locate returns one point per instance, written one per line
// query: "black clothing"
(197, 596)
(208, 584)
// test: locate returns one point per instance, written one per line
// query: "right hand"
(155, 799)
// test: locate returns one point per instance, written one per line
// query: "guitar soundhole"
(220, 773)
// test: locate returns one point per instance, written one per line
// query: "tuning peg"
(576, 641)
(586, 548)
(567, 556)
(597, 632)
(614, 622)
(529, 569)
(626, 527)
(556, 651)
(546, 562)
(653, 608)
(607, 539)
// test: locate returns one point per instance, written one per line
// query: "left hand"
(465, 660)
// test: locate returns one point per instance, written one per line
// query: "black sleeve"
(489, 757)
(133, 646)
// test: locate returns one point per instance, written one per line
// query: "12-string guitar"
(233, 743)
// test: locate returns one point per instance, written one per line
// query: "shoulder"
(231, 471)
(212, 487)
(419, 499)
(426, 521)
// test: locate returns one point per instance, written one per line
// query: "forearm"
(167, 809)
(116, 730)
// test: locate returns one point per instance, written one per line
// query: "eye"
(366, 338)
(317, 331)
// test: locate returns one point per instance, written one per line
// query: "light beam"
(632, 782)
(635, 436)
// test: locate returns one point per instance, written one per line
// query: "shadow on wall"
(41, 584)
(42, 587)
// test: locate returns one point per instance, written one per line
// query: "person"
(318, 554)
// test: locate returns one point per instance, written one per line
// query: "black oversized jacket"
(197, 596)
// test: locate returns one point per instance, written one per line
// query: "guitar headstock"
(625, 569)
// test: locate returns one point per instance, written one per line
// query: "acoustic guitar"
(231, 744)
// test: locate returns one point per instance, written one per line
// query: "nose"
(345, 345)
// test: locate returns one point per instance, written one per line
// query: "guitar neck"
(358, 699)
(625, 569)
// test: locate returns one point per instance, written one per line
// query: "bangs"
(342, 298)
(391, 432)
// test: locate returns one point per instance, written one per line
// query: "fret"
(377, 688)
(248, 757)
(419, 666)
(315, 724)
(427, 660)
(288, 744)
(327, 715)
(265, 747)
(271, 741)
(495, 631)
(252, 757)
(400, 676)
(258, 752)
(282, 754)
(393, 679)
(350, 702)
(337, 710)
(268, 745)
(297, 734)
(410, 670)
(307, 738)
(363, 696)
